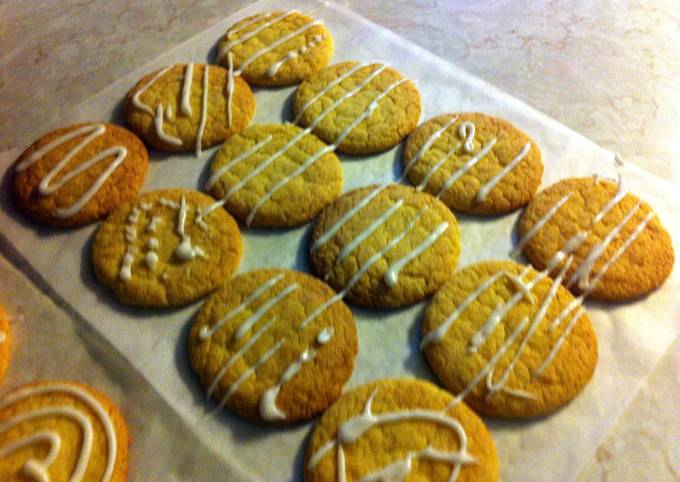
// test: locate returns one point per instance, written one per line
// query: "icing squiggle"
(268, 409)
(204, 110)
(491, 183)
(292, 54)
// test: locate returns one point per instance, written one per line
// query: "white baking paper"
(632, 336)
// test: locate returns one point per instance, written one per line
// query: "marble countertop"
(608, 70)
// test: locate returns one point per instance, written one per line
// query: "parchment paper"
(632, 336)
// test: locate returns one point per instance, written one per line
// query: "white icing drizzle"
(262, 310)
(399, 470)
(325, 335)
(539, 224)
(392, 273)
(34, 467)
(292, 54)
(320, 309)
(136, 99)
(435, 167)
(233, 42)
(355, 427)
(259, 53)
(558, 344)
(427, 145)
(45, 188)
(232, 359)
(379, 221)
(467, 166)
(153, 223)
(169, 114)
(185, 251)
(204, 109)
(168, 203)
(126, 268)
(162, 135)
(327, 88)
(230, 86)
(207, 331)
(268, 409)
(186, 89)
(248, 373)
(583, 272)
(486, 188)
(151, 257)
(466, 130)
(238, 159)
(620, 194)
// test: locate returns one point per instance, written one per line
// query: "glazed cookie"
(394, 429)
(510, 341)
(274, 346)
(188, 107)
(621, 251)
(275, 175)
(78, 174)
(474, 163)
(167, 248)
(276, 48)
(5, 342)
(62, 431)
(359, 108)
(385, 246)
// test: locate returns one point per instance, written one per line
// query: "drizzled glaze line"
(558, 344)
(436, 167)
(467, 166)
(238, 159)
(486, 188)
(33, 468)
(466, 130)
(539, 224)
(292, 54)
(427, 145)
(232, 43)
(90, 401)
(620, 194)
(162, 135)
(186, 89)
(268, 408)
(136, 99)
(230, 86)
(204, 109)
(262, 310)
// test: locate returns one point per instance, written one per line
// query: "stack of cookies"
(504, 338)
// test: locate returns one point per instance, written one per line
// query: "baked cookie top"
(276, 48)
(58, 430)
(78, 174)
(5, 341)
(621, 251)
(273, 345)
(474, 163)
(359, 108)
(187, 107)
(275, 175)
(167, 248)
(385, 246)
(510, 341)
(393, 429)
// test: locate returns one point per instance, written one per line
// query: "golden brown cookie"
(275, 175)
(5, 342)
(360, 108)
(385, 246)
(167, 248)
(276, 48)
(474, 163)
(172, 110)
(394, 429)
(621, 251)
(508, 340)
(78, 174)
(59, 430)
(273, 345)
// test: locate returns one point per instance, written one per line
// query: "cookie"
(385, 246)
(276, 48)
(510, 341)
(359, 108)
(394, 429)
(5, 342)
(621, 251)
(474, 163)
(273, 346)
(275, 175)
(188, 107)
(58, 430)
(78, 174)
(167, 248)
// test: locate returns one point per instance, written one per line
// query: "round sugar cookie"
(273, 346)
(57, 430)
(172, 110)
(275, 175)
(360, 108)
(474, 163)
(276, 48)
(5, 342)
(508, 340)
(394, 429)
(167, 248)
(385, 246)
(78, 174)
(621, 250)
